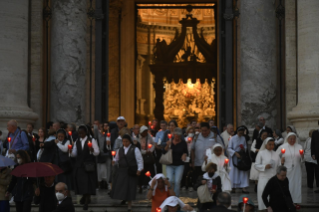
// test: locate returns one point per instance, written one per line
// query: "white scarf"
(156, 177)
(172, 201)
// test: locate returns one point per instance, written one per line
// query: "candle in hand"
(158, 210)
(33, 138)
(148, 174)
(189, 139)
(152, 127)
(169, 136)
(226, 161)
(108, 134)
(70, 133)
(245, 200)
(113, 153)
(69, 148)
(149, 146)
(90, 145)
(301, 151)
(149, 123)
(283, 151)
(9, 139)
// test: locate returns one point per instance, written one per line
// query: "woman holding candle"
(237, 143)
(216, 155)
(63, 158)
(292, 159)
(84, 150)
(213, 182)
(266, 164)
(130, 164)
(180, 152)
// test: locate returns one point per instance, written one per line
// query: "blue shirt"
(19, 140)
(160, 135)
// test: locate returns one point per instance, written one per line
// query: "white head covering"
(143, 128)
(290, 134)
(263, 146)
(172, 201)
(156, 177)
(218, 145)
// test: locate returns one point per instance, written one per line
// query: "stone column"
(68, 60)
(305, 115)
(14, 63)
(257, 63)
(291, 59)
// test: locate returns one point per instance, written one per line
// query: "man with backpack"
(16, 139)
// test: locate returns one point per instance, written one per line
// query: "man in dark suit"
(315, 148)
(223, 202)
(64, 202)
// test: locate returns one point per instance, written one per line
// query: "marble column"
(258, 71)
(291, 59)
(305, 115)
(14, 63)
(68, 60)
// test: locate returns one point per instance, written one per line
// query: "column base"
(304, 119)
(22, 115)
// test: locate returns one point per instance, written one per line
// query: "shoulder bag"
(167, 158)
(203, 194)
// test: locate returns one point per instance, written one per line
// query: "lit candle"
(245, 201)
(158, 210)
(90, 146)
(189, 139)
(148, 174)
(108, 134)
(149, 123)
(169, 136)
(149, 146)
(301, 151)
(283, 151)
(70, 148)
(113, 154)
(9, 140)
(152, 127)
(226, 161)
(33, 138)
(70, 133)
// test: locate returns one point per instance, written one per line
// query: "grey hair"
(224, 198)
(178, 131)
(281, 169)
(230, 125)
(65, 187)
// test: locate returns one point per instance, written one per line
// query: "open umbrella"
(4, 162)
(37, 169)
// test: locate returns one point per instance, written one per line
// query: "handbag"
(244, 162)
(167, 158)
(290, 205)
(203, 194)
(89, 166)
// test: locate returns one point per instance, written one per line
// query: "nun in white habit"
(266, 164)
(216, 155)
(173, 203)
(238, 177)
(292, 159)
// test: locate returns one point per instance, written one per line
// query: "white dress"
(221, 170)
(253, 172)
(293, 163)
(264, 158)
(238, 177)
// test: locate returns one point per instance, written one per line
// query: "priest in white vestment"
(266, 164)
(292, 159)
(238, 177)
(227, 134)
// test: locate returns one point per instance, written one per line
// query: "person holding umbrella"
(24, 191)
(5, 178)
(84, 150)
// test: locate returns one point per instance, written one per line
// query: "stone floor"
(102, 201)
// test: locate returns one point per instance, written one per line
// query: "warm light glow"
(113, 153)
(90, 145)
(69, 147)
(70, 133)
(283, 151)
(169, 136)
(301, 151)
(226, 161)
(245, 200)
(9, 139)
(108, 134)
(150, 146)
(148, 174)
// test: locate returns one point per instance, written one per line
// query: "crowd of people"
(161, 158)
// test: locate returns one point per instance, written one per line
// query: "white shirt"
(95, 147)
(63, 148)
(138, 157)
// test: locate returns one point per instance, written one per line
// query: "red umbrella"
(36, 169)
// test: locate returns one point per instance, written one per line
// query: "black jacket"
(221, 208)
(47, 200)
(217, 181)
(21, 188)
(65, 206)
(315, 144)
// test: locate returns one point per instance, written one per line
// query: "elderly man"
(263, 121)
(56, 126)
(204, 140)
(227, 134)
(277, 190)
(64, 202)
(223, 202)
(120, 122)
(19, 139)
